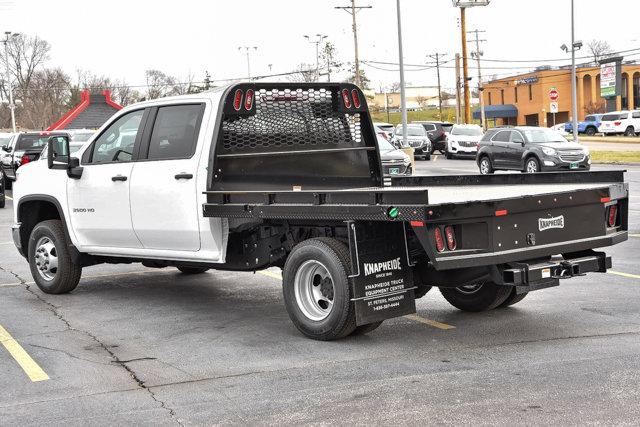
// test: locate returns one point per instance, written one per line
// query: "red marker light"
(345, 98)
(237, 100)
(612, 216)
(248, 100)
(356, 98)
(605, 199)
(502, 212)
(417, 224)
(451, 238)
(439, 240)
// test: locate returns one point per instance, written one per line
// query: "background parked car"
(386, 128)
(417, 138)
(529, 149)
(7, 142)
(2, 195)
(588, 126)
(394, 161)
(438, 132)
(79, 138)
(26, 148)
(463, 141)
(620, 123)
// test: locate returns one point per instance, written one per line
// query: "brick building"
(524, 99)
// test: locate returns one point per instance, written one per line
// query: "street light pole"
(403, 100)
(12, 106)
(247, 50)
(574, 94)
(465, 67)
(317, 42)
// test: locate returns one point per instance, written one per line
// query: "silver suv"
(417, 138)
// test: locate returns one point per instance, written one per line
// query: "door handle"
(184, 176)
(118, 178)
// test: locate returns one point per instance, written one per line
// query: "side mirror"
(58, 152)
(6, 148)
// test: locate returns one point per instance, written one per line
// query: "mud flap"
(382, 280)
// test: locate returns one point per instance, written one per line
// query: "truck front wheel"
(317, 290)
(192, 270)
(480, 296)
(49, 260)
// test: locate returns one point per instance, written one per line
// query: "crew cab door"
(164, 195)
(99, 200)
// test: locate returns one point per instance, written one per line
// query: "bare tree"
(328, 60)
(599, 49)
(160, 85)
(394, 87)
(305, 73)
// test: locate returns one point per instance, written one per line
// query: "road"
(155, 347)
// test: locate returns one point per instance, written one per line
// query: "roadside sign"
(553, 107)
(553, 94)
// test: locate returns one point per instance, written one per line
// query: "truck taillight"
(356, 98)
(237, 100)
(439, 240)
(617, 123)
(450, 235)
(345, 98)
(248, 100)
(24, 159)
(612, 215)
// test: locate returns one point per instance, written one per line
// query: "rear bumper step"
(538, 275)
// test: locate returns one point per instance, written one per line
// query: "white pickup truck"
(256, 175)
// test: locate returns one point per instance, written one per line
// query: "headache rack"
(276, 136)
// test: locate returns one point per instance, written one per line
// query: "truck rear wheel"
(49, 260)
(317, 290)
(480, 296)
(513, 298)
(192, 270)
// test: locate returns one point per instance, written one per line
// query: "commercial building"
(524, 99)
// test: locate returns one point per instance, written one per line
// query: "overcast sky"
(122, 38)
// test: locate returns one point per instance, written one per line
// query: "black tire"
(427, 157)
(513, 298)
(529, 165)
(590, 131)
(486, 296)
(67, 274)
(448, 155)
(334, 257)
(8, 184)
(365, 329)
(630, 131)
(489, 167)
(192, 270)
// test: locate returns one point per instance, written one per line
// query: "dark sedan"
(26, 149)
(394, 161)
(529, 149)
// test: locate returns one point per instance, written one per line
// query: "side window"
(516, 137)
(116, 143)
(430, 127)
(636, 114)
(502, 136)
(175, 132)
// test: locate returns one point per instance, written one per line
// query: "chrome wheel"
(532, 166)
(469, 289)
(485, 166)
(46, 258)
(314, 290)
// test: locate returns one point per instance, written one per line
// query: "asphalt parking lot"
(135, 345)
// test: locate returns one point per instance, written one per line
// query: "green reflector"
(393, 212)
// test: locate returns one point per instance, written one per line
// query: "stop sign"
(554, 95)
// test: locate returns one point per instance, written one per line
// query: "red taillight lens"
(439, 240)
(24, 160)
(237, 100)
(612, 216)
(345, 98)
(356, 98)
(451, 237)
(617, 123)
(248, 100)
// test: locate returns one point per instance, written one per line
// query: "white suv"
(463, 140)
(620, 123)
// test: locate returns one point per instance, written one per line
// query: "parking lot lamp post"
(317, 41)
(12, 106)
(247, 50)
(403, 100)
(575, 45)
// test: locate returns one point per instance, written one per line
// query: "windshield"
(384, 145)
(32, 142)
(610, 117)
(447, 127)
(542, 135)
(386, 128)
(466, 131)
(81, 137)
(412, 130)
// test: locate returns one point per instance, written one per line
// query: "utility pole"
(353, 9)
(437, 57)
(458, 96)
(574, 94)
(12, 106)
(317, 42)
(465, 66)
(247, 50)
(478, 53)
(403, 99)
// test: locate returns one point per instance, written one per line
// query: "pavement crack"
(135, 360)
(67, 353)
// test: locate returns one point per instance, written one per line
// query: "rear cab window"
(175, 132)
